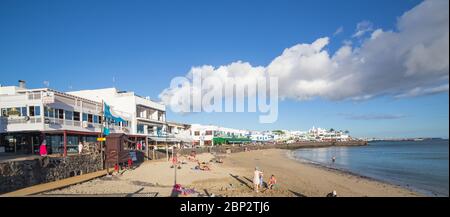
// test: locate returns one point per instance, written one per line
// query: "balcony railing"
(22, 120)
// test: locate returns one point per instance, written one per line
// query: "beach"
(233, 178)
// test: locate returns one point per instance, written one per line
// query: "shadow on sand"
(242, 181)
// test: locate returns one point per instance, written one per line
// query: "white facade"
(48, 110)
(179, 131)
(147, 117)
(203, 134)
(261, 137)
(28, 117)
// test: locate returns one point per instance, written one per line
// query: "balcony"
(20, 124)
(36, 124)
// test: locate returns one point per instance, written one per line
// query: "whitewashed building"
(203, 135)
(28, 116)
(148, 118)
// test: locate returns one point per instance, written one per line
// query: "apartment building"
(30, 116)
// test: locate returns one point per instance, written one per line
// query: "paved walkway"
(36, 189)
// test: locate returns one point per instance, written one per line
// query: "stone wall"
(20, 174)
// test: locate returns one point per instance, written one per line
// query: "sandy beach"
(233, 178)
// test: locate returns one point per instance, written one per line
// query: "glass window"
(76, 116)
(34, 110)
(17, 111)
(49, 112)
(55, 144)
(31, 109)
(85, 117)
(197, 133)
(100, 119)
(23, 111)
(4, 112)
(208, 133)
(89, 118)
(37, 110)
(59, 113)
(69, 115)
(140, 128)
(95, 118)
(72, 144)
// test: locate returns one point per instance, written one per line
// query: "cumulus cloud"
(410, 60)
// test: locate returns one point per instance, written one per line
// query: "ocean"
(422, 166)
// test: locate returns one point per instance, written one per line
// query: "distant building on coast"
(210, 135)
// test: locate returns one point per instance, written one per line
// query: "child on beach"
(261, 179)
(272, 181)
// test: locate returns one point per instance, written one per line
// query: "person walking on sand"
(256, 179)
(43, 149)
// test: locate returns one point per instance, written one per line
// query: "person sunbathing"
(204, 166)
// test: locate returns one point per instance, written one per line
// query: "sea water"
(422, 166)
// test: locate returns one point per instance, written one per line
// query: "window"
(96, 119)
(72, 144)
(37, 110)
(69, 115)
(89, 118)
(31, 108)
(140, 128)
(76, 116)
(59, 113)
(23, 111)
(208, 133)
(4, 113)
(34, 110)
(197, 133)
(49, 112)
(85, 116)
(100, 119)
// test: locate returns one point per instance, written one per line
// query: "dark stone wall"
(20, 174)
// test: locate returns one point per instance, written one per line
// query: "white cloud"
(338, 31)
(411, 60)
(362, 28)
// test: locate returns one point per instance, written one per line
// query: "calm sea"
(421, 166)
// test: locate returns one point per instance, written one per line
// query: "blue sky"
(142, 45)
